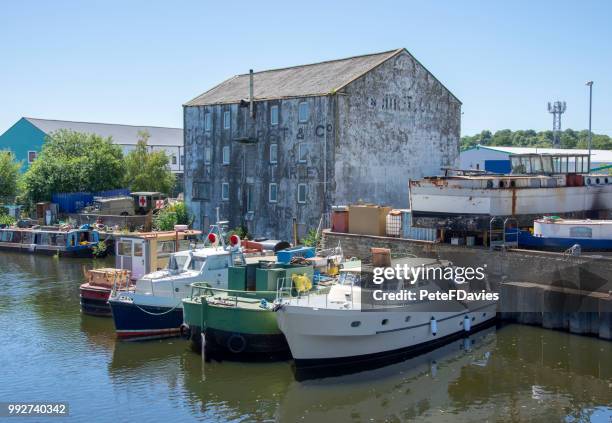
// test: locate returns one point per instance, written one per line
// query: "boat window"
(60, 240)
(526, 164)
(196, 263)
(355, 324)
(125, 248)
(581, 232)
(137, 249)
(536, 164)
(6, 236)
(407, 319)
(165, 247)
(177, 262)
(547, 164)
(184, 244)
(384, 322)
(27, 237)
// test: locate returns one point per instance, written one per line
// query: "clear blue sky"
(136, 62)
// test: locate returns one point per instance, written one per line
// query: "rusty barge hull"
(463, 205)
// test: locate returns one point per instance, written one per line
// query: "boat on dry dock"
(60, 240)
(539, 184)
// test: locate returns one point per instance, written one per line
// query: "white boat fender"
(236, 343)
(434, 326)
(467, 323)
(467, 344)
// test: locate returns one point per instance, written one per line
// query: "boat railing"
(287, 292)
(232, 297)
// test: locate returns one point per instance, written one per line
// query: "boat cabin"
(549, 164)
(146, 252)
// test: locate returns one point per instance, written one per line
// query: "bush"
(311, 239)
(172, 214)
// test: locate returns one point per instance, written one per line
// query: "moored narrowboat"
(64, 241)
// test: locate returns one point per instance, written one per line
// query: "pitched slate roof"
(299, 81)
(121, 134)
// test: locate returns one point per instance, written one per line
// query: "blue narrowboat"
(554, 233)
(50, 240)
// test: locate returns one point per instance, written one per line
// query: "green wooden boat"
(240, 322)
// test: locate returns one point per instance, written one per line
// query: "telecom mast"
(557, 109)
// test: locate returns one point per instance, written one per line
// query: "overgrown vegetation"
(5, 219)
(530, 138)
(173, 214)
(148, 170)
(311, 239)
(100, 249)
(72, 162)
(9, 175)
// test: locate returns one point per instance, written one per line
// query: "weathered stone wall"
(250, 165)
(395, 123)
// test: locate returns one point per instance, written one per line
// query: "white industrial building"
(497, 159)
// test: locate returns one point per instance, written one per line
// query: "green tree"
(73, 162)
(9, 174)
(530, 138)
(148, 170)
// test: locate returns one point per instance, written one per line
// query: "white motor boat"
(338, 333)
(154, 308)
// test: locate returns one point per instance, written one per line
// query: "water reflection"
(515, 373)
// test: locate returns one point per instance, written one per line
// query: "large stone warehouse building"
(289, 143)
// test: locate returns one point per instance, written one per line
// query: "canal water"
(51, 352)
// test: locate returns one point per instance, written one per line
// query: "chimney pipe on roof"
(251, 110)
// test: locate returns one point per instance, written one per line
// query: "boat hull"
(234, 332)
(94, 300)
(526, 240)
(139, 322)
(449, 204)
(83, 252)
(331, 349)
(245, 346)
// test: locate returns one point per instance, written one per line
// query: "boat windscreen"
(177, 262)
(196, 263)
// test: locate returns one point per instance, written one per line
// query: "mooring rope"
(157, 314)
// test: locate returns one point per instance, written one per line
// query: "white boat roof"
(209, 251)
(574, 222)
